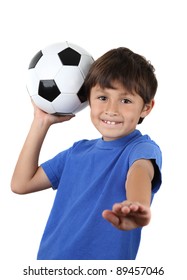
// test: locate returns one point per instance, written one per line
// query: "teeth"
(108, 122)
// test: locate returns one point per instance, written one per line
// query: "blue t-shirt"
(90, 177)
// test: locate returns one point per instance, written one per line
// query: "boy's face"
(116, 112)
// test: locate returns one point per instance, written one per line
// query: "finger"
(122, 208)
(137, 207)
(117, 207)
(111, 217)
(131, 207)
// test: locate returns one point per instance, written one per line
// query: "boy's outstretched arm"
(27, 176)
(135, 211)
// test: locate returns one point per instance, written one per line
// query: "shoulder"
(145, 141)
(145, 148)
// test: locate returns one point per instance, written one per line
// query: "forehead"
(114, 86)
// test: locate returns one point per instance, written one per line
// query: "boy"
(104, 186)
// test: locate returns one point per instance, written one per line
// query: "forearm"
(138, 184)
(27, 163)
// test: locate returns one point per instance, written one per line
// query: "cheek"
(94, 111)
(93, 115)
(133, 117)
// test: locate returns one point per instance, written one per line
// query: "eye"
(126, 101)
(102, 98)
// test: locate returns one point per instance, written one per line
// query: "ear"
(147, 108)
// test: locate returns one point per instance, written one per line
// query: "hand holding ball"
(56, 76)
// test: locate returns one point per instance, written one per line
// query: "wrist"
(41, 124)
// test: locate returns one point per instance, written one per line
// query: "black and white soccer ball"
(56, 78)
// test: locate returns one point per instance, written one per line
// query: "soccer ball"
(56, 78)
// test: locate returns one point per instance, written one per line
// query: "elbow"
(17, 189)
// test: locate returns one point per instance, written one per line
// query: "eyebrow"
(126, 93)
(121, 94)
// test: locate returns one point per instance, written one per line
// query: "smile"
(111, 122)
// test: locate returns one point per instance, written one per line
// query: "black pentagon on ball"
(69, 57)
(35, 59)
(48, 90)
(82, 94)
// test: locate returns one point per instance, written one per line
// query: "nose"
(111, 109)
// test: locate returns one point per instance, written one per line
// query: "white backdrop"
(155, 29)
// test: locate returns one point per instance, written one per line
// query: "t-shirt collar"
(123, 141)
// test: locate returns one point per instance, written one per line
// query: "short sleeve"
(54, 168)
(149, 150)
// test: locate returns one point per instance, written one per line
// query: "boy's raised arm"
(28, 176)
